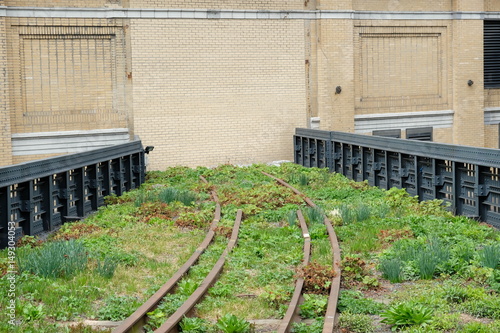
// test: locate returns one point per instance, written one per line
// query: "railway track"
(331, 311)
(139, 318)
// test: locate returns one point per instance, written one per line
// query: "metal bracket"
(355, 160)
(403, 172)
(26, 206)
(376, 166)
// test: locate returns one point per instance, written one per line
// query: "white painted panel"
(386, 121)
(65, 142)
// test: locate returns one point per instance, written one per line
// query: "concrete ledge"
(173, 13)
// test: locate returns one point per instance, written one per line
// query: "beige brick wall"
(217, 4)
(491, 98)
(218, 91)
(491, 138)
(468, 101)
(492, 5)
(403, 5)
(335, 68)
(5, 131)
(65, 3)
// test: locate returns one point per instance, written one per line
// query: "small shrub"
(407, 314)
(391, 270)
(347, 214)
(354, 322)
(229, 323)
(363, 212)
(490, 256)
(54, 260)
(314, 215)
(317, 277)
(106, 268)
(291, 218)
(354, 269)
(314, 306)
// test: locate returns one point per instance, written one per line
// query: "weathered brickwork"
(66, 75)
(220, 91)
(401, 66)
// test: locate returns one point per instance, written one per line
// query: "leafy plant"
(355, 322)
(117, 307)
(353, 301)
(317, 277)
(314, 306)
(407, 314)
(31, 312)
(229, 323)
(193, 325)
(315, 327)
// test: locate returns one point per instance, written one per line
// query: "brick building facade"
(209, 81)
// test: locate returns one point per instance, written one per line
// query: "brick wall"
(218, 91)
(403, 5)
(65, 3)
(217, 4)
(5, 144)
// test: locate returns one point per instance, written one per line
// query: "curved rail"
(292, 313)
(137, 318)
(171, 324)
(331, 310)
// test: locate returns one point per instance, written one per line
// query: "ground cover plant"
(406, 265)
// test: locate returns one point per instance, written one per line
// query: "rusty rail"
(137, 319)
(292, 313)
(171, 324)
(331, 311)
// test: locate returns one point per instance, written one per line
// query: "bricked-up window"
(492, 54)
(68, 78)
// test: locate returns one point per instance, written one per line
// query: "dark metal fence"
(466, 177)
(41, 195)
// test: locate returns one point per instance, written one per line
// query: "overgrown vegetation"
(406, 265)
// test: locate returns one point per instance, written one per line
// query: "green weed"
(229, 323)
(407, 314)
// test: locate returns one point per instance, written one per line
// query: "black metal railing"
(41, 195)
(466, 177)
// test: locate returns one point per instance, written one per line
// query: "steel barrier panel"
(41, 195)
(467, 178)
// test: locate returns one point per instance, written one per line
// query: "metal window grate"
(491, 54)
(421, 133)
(396, 133)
